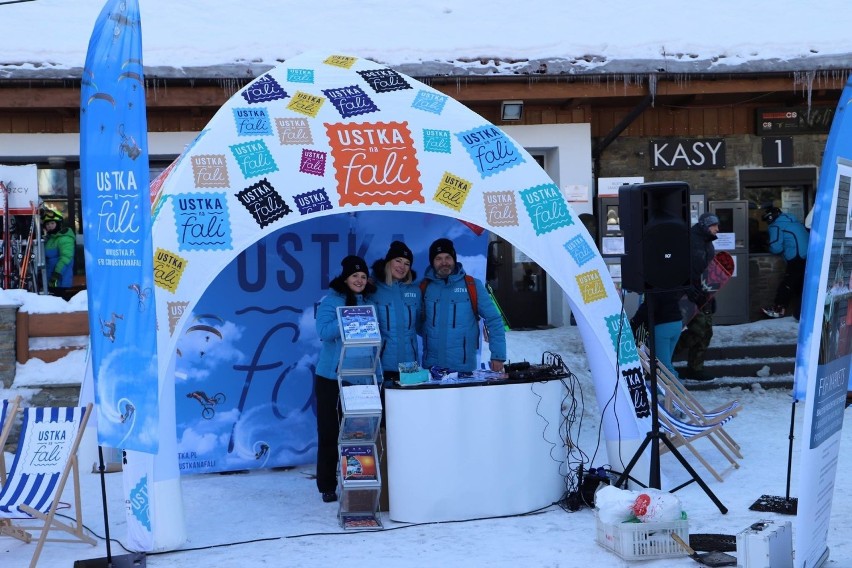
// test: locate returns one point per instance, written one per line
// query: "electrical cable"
(568, 417)
(538, 511)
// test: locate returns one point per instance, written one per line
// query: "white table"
(469, 451)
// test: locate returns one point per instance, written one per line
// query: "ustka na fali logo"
(138, 503)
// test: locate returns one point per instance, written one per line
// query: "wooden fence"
(66, 324)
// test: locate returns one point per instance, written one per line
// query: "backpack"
(471, 291)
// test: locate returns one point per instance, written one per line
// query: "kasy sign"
(687, 154)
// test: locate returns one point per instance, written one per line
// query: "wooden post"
(22, 337)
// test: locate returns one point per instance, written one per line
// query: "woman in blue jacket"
(347, 289)
(399, 308)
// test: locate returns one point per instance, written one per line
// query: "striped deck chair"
(45, 457)
(685, 433)
(682, 403)
(8, 410)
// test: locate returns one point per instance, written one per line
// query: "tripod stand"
(655, 436)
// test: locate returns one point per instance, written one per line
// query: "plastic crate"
(643, 541)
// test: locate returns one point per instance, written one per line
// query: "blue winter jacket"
(450, 333)
(788, 237)
(399, 308)
(328, 328)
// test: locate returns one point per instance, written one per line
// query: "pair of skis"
(8, 268)
(28, 251)
(7, 239)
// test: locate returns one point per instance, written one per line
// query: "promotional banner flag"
(117, 231)
(115, 175)
(824, 351)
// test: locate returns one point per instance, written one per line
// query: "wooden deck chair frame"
(684, 434)
(692, 402)
(8, 413)
(682, 400)
(45, 521)
(677, 398)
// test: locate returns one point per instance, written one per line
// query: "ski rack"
(359, 478)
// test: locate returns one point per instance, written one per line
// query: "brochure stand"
(359, 481)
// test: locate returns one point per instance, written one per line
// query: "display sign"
(777, 152)
(794, 120)
(687, 154)
(358, 324)
(608, 186)
(21, 183)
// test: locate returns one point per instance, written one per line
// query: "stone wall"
(765, 273)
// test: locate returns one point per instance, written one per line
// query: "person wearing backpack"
(399, 308)
(453, 304)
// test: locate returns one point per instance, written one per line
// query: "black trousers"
(329, 415)
(792, 284)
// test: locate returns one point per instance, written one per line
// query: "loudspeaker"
(654, 220)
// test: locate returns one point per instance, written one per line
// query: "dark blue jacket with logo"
(450, 332)
(399, 308)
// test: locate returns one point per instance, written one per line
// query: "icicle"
(806, 79)
(652, 87)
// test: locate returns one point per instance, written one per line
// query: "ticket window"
(732, 301)
(611, 237)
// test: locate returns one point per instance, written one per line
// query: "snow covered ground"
(277, 518)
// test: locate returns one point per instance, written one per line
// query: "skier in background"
(59, 248)
(789, 238)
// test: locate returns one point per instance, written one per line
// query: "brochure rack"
(359, 478)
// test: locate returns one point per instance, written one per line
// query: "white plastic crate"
(643, 541)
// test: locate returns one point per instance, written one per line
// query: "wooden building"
(751, 132)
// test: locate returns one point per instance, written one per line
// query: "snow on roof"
(227, 39)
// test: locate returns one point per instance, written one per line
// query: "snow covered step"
(744, 365)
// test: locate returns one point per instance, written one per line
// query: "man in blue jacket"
(451, 324)
(789, 238)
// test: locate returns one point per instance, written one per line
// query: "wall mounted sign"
(793, 120)
(777, 151)
(687, 154)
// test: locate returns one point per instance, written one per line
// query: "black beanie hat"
(439, 246)
(398, 249)
(352, 264)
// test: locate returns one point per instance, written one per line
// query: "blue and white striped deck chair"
(683, 433)
(8, 410)
(46, 455)
(683, 404)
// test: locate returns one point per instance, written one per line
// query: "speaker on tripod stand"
(657, 258)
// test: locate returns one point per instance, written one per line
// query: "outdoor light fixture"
(512, 110)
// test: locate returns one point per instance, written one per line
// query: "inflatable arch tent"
(322, 135)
